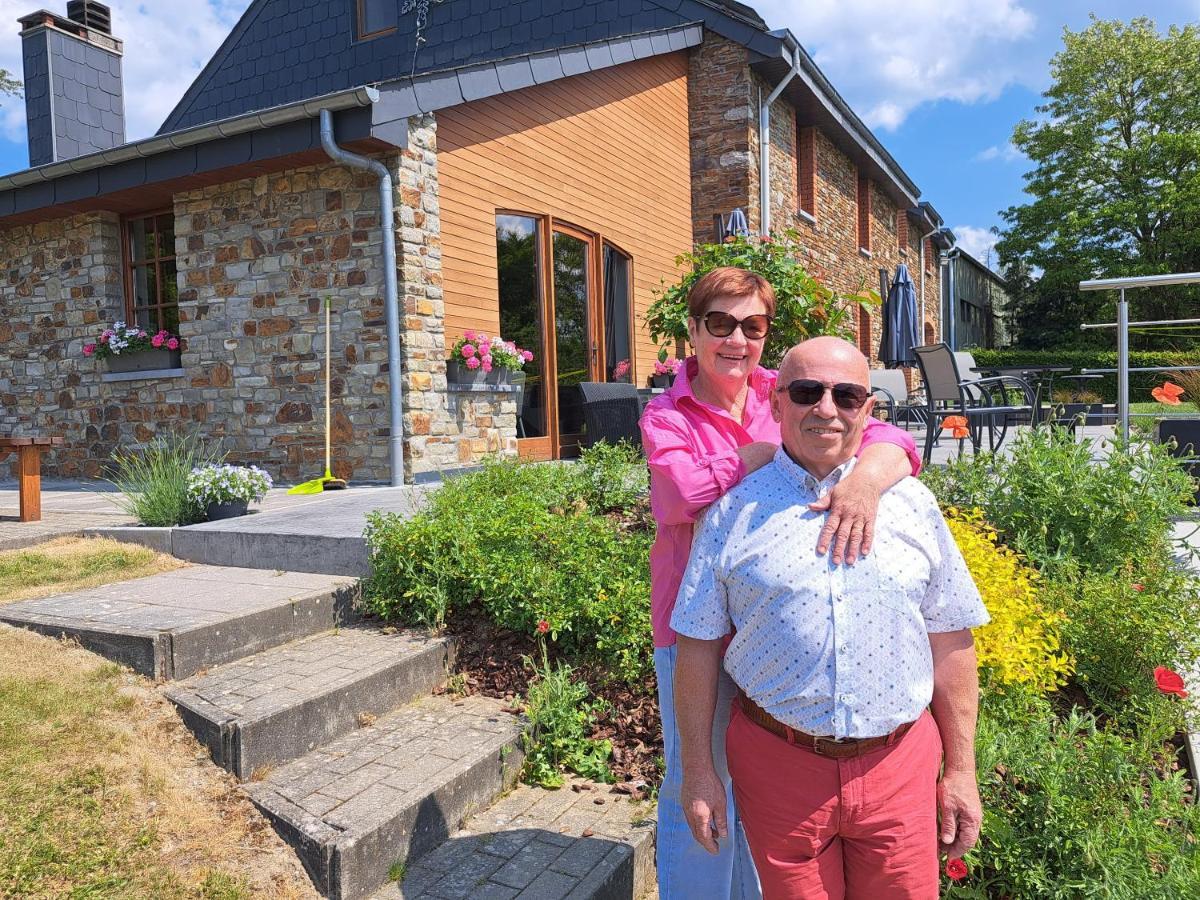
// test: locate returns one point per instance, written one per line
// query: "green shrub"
(560, 716)
(612, 477)
(805, 307)
(1054, 501)
(521, 542)
(154, 482)
(1140, 383)
(1072, 809)
(1120, 625)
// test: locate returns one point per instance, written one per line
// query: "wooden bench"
(29, 470)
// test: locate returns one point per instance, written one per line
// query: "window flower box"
(476, 359)
(128, 348)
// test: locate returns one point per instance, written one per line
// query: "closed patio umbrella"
(899, 322)
(738, 224)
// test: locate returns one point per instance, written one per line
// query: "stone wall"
(724, 95)
(256, 258)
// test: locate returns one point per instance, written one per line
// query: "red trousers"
(863, 828)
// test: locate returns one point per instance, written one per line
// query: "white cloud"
(1005, 153)
(166, 46)
(978, 242)
(887, 58)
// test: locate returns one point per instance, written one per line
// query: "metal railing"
(1123, 324)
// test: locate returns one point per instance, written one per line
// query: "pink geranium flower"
(473, 362)
(173, 344)
(89, 349)
(487, 364)
(469, 335)
(527, 356)
(487, 359)
(157, 340)
(468, 350)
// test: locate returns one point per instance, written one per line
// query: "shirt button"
(846, 698)
(844, 648)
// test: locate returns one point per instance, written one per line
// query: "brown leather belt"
(824, 746)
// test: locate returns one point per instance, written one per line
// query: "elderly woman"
(703, 436)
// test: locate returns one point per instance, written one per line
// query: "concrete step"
(175, 624)
(552, 845)
(323, 533)
(270, 708)
(391, 791)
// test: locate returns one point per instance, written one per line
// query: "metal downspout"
(390, 292)
(764, 146)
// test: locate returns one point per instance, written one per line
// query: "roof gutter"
(387, 219)
(764, 143)
(176, 140)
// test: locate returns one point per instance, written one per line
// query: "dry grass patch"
(75, 563)
(103, 793)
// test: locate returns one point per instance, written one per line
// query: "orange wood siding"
(607, 152)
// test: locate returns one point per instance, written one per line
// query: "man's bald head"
(821, 436)
(827, 353)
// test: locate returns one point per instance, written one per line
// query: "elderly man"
(834, 755)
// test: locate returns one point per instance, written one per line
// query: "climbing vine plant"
(422, 9)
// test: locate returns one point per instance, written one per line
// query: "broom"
(326, 482)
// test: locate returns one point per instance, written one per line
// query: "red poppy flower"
(957, 426)
(543, 626)
(1138, 586)
(956, 869)
(1169, 682)
(1168, 393)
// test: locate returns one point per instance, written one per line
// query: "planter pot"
(498, 375)
(1186, 432)
(661, 381)
(1079, 413)
(1108, 414)
(230, 510)
(143, 361)
(458, 373)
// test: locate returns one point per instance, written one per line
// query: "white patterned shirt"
(839, 651)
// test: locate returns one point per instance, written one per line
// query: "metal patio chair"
(900, 405)
(610, 413)
(983, 402)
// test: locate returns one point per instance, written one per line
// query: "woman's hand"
(852, 504)
(755, 456)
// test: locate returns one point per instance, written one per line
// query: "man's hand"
(852, 506)
(961, 813)
(703, 799)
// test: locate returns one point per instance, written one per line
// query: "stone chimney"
(74, 102)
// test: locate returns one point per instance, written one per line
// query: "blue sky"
(942, 82)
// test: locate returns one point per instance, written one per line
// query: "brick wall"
(724, 95)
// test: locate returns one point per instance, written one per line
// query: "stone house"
(549, 159)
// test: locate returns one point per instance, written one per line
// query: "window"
(618, 352)
(864, 212)
(377, 17)
(806, 161)
(151, 290)
(864, 332)
(518, 256)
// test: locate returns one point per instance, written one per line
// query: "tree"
(8, 85)
(1116, 178)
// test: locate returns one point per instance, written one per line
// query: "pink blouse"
(692, 450)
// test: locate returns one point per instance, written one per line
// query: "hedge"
(1140, 383)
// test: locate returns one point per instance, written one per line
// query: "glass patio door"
(564, 294)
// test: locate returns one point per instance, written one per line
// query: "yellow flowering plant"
(1022, 643)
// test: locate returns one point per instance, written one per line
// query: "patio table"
(1041, 376)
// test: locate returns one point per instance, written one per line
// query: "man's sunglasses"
(721, 324)
(807, 392)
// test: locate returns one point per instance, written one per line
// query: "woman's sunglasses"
(807, 392)
(721, 324)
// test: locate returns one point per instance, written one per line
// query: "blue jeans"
(686, 871)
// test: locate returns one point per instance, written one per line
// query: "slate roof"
(282, 51)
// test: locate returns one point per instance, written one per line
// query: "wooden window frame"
(602, 289)
(361, 18)
(863, 212)
(806, 176)
(128, 264)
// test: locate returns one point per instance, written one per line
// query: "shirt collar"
(800, 476)
(761, 382)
